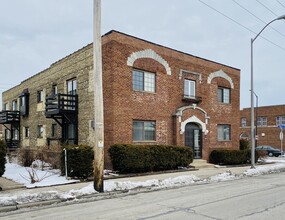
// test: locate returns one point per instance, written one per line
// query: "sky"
(36, 33)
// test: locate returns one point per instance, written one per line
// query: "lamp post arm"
(279, 18)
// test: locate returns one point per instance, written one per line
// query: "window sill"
(224, 140)
(144, 142)
(145, 92)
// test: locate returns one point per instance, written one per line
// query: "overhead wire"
(243, 26)
(267, 8)
(258, 17)
(281, 4)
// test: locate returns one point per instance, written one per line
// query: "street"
(261, 197)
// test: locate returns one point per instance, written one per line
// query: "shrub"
(47, 154)
(231, 157)
(144, 158)
(51, 155)
(2, 157)
(26, 156)
(79, 161)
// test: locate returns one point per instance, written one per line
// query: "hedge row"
(145, 158)
(231, 157)
(79, 161)
(2, 157)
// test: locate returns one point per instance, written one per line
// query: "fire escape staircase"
(63, 108)
(11, 121)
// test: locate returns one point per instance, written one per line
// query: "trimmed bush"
(79, 161)
(231, 157)
(145, 158)
(2, 157)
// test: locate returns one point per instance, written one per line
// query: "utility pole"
(98, 99)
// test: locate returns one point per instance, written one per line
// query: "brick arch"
(221, 74)
(148, 53)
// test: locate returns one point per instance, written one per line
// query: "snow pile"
(279, 167)
(51, 177)
(228, 175)
(21, 175)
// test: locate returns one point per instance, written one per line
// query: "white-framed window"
(40, 96)
(15, 105)
(224, 95)
(143, 130)
(143, 81)
(72, 87)
(243, 122)
(224, 132)
(54, 89)
(6, 106)
(189, 88)
(40, 131)
(262, 121)
(280, 120)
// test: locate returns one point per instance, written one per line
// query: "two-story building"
(268, 122)
(152, 94)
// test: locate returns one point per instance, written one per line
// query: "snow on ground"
(51, 177)
(21, 175)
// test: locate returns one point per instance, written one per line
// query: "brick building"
(152, 94)
(268, 119)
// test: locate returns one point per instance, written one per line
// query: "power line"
(267, 8)
(257, 17)
(281, 4)
(282, 48)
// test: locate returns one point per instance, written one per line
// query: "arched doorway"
(193, 138)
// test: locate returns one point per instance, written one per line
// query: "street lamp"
(252, 93)
(256, 116)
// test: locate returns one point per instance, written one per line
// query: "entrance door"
(193, 139)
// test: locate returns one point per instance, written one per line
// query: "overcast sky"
(36, 33)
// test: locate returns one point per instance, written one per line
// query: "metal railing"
(8, 117)
(61, 103)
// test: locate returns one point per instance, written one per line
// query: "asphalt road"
(259, 198)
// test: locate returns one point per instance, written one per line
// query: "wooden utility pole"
(98, 99)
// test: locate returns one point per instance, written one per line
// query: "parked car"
(271, 151)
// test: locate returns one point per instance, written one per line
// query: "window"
(224, 132)
(243, 122)
(54, 89)
(280, 120)
(189, 88)
(71, 87)
(40, 96)
(143, 131)
(224, 95)
(262, 121)
(24, 102)
(15, 134)
(27, 132)
(7, 134)
(6, 106)
(53, 130)
(40, 131)
(14, 105)
(143, 81)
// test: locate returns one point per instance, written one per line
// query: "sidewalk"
(201, 173)
(57, 194)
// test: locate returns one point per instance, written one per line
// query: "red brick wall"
(268, 135)
(122, 104)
